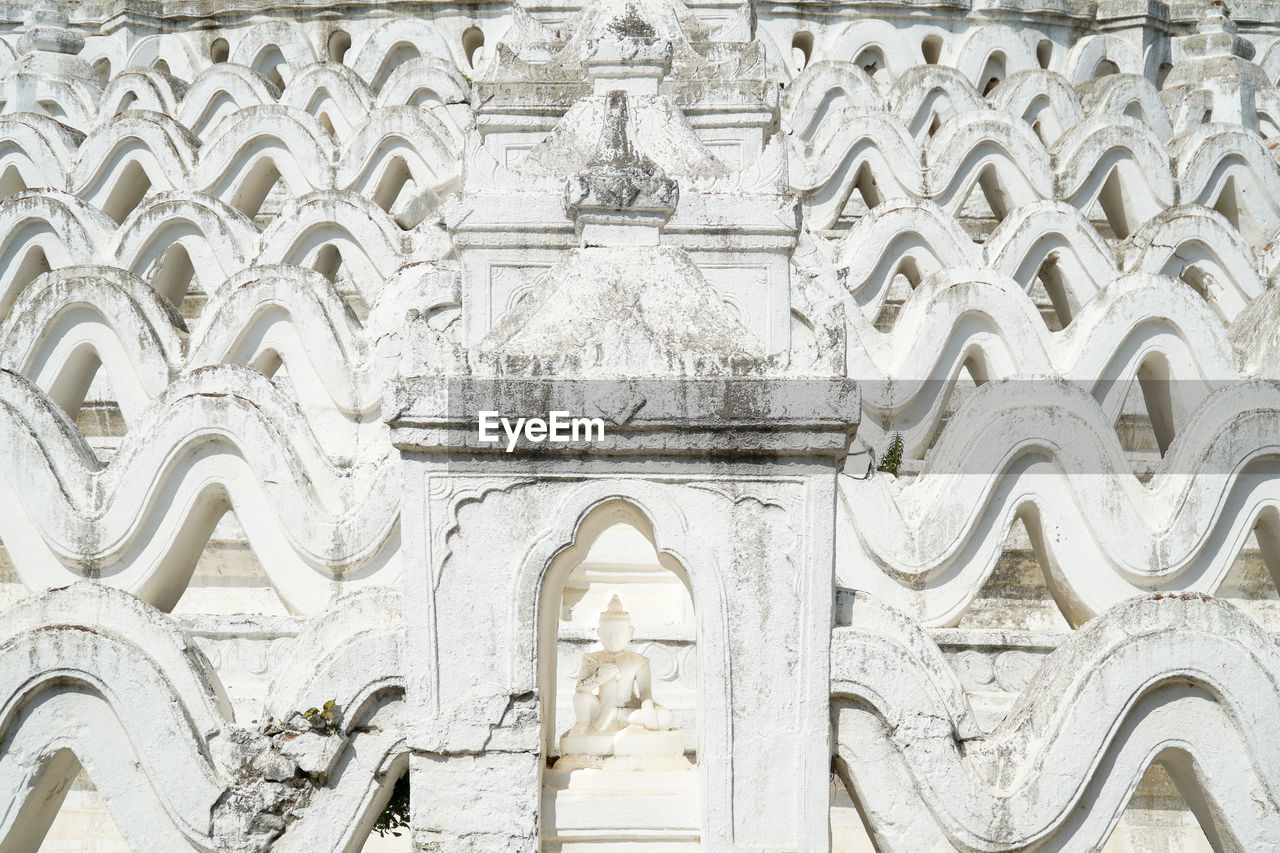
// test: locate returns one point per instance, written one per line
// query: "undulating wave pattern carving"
(398, 62)
(1137, 327)
(221, 437)
(398, 153)
(270, 310)
(154, 730)
(1113, 160)
(257, 301)
(1045, 452)
(231, 227)
(982, 52)
(1072, 238)
(162, 181)
(249, 178)
(1046, 241)
(176, 232)
(1182, 680)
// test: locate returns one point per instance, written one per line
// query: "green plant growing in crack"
(324, 719)
(395, 816)
(892, 459)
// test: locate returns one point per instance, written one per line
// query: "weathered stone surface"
(263, 265)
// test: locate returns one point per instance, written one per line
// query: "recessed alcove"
(621, 802)
(102, 70)
(801, 50)
(338, 45)
(622, 562)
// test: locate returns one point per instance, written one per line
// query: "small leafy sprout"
(396, 814)
(324, 718)
(892, 460)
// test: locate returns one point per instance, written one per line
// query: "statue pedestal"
(604, 809)
(632, 748)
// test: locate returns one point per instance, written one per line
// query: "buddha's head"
(615, 627)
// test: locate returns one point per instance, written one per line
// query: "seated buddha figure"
(613, 706)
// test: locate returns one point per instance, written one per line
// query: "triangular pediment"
(635, 311)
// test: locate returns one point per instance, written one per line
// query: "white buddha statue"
(614, 708)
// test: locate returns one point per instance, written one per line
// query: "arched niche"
(615, 553)
(578, 520)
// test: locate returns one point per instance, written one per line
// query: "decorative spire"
(1216, 35)
(47, 30)
(621, 197)
(1214, 81)
(50, 49)
(625, 52)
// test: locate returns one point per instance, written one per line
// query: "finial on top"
(615, 612)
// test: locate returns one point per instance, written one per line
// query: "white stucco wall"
(261, 263)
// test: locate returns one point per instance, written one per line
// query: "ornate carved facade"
(935, 349)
